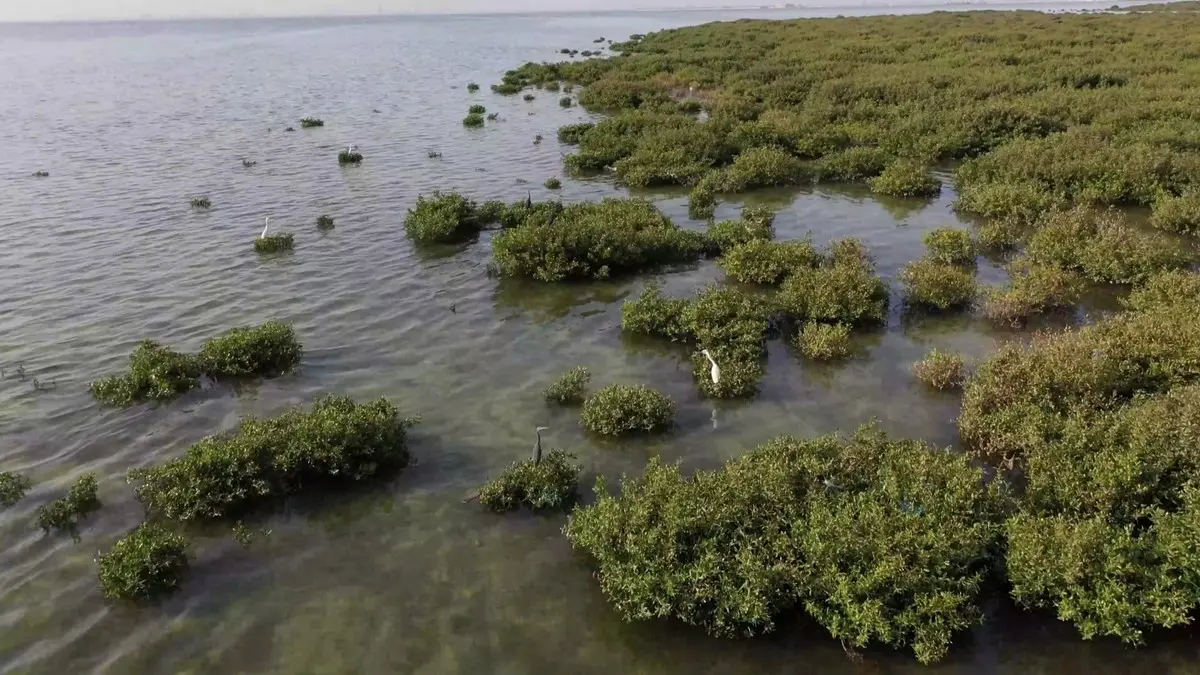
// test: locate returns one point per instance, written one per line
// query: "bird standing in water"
(716, 370)
(266, 224)
(537, 449)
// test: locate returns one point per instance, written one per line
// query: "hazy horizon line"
(771, 6)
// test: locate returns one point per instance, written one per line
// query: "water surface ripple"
(134, 120)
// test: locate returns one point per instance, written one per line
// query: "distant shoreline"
(872, 8)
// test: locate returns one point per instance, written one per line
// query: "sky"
(86, 10)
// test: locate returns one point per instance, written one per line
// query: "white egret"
(266, 224)
(716, 370)
(537, 449)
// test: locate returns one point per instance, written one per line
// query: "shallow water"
(133, 120)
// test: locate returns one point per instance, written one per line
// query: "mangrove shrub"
(940, 370)
(824, 341)
(145, 564)
(551, 484)
(570, 388)
(905, 178)
(13, 487)
(768, 262)
(224, 475)
(623, 409)
(951, 246)
(64, 513)
(938, 286)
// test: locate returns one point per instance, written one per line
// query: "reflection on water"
(132, 120)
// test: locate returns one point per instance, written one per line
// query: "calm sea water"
(133, 120)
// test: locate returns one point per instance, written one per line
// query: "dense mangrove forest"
(1070, 144)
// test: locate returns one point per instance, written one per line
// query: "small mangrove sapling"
(324, 222)
(145, 564)
(13, 487)
(311, 122)
(64, 512)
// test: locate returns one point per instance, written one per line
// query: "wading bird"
(537, 449)
(716, 370)
(266, 224)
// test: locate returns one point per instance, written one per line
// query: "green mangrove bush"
(473, 120)
(728, 234)
(950, 246)
(878, 540)
(553, 184)
(565, 102)
(13, 487)
(572, 134)
(768, 262)
(324, 223)
(201, 203)
(741, 371)
(311, 122)
(148, 563)
(652, 313)
(549, 485)
(276, 242)
(845, 290)
(905, 178)
(824, 341)
(349, 157)
(64, 513)
(1102, 246)
(1177, 213)
(1032, 290)
(222, 476)
(618, 410)
(442, 218)
(594, 240)
(472, 87)
(158, 373)
(570, 388)
(1164, 290)
(941, 370)
(477, 109)
(938, 286)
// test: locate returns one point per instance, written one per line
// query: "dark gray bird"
(537, 448)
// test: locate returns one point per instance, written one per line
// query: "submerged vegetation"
(570, 389)
(473, 120)
(63, 514)
(145, 564)
(158, 373)
(941, 370)
(551, 484)
(13, 487)
(338, 441)
(276, 242)
(324, 223)
(201, 203)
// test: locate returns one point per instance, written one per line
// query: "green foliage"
(941, 370)
(444, 217)
(652, 313)
(938, 286)
(565, 102)
(13, 487)
(551, 484)
(572, 134)
(472, 87)
(764, 167)
(224, 475)
(595, 240)
(570, 388)
(949, 245)
(824, 341)
(311, 122)
(201, 203)
(158, 373)
(1032, 289)
(477, 109)
(845, 290)
(1102, 246)
(621, 409)
(768, 262)
(905, 178)
(878, 540)
(324, 223)
(1000, 234)
(853, 165)
(741, 371)
(266, 350)
(1107, 531)
(728, 234)
(349, 157)
(275, 243)
(506, 89)
(528, 97)
(473, 120)
(553, 184)
(1175, 288)
(728, 318)
(145, 564)
(1177, 213)
(64, 513)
